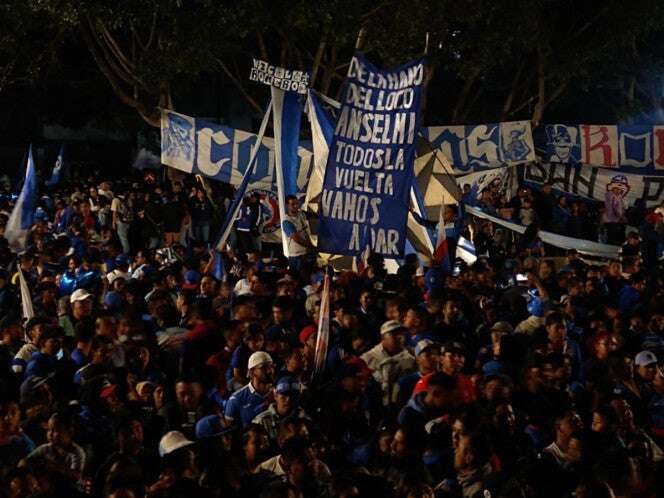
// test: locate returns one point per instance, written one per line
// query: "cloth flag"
(286, 118)
(441, 255)
(322, 130)
(57, 169)
(218, 267)
(22, 217)
(323, 337)
(26, 298)
(235, 206)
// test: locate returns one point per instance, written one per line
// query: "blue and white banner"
(468, 147)
(57, 168)
(222, 153)
(287, 114)
(370, 163)
(630, 148)
(322, 130)
(593, 183)
(22, 216)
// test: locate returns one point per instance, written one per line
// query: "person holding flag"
(448, 228)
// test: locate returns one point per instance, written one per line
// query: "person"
(296, 228)
(471, 462)
(251, 400)
(122, 216)
(286, 400)
(389, 359)
(201, 216)
(614, 211)
(247, 226)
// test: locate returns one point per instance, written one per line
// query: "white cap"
(645, 358)
(391, 326)
(258, 358)
(171, 441)
(79, 295)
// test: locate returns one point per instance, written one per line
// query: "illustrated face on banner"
(562, 144)
(514, 140)
(619, 185)
(178, 140)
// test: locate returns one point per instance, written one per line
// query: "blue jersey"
(243, 406)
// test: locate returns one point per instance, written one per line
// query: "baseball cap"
(288, 385)
(492, 368)
(108, 390)
(391, 326)
(79, 295)
(211, 426)
(423, 345)
(454, 347)
(122, 260)
(171, 441)
(258, 358)
(645, 358)
(307, 332)
(503, 327)
(191, 280)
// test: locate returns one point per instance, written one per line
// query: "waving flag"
(57, 168)
(322, 130)
(218, 267)
(441, 254)
(286, 118)
(323, 337)
(22, 217)
(26, 298)
(235, 206)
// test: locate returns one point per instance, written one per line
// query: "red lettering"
(601, 144)
(659, 147)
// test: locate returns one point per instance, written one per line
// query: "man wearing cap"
(427, 355)
(286, 404)
(645, 370)
(246, 403)
(81, 306)
(389, 359)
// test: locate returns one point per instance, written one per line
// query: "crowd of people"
(149, 369)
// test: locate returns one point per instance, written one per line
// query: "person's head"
(282, 310)
(504, 418)
(50, 341)
(81, 303)
(427, 355)
(286, 395)
(556, 328)
(254, 338)
(392, 337)
(101, 349)
(208, 285)
(604, 420)
(646, 365)
(244, 309)
(255, 443)
(260, 368)
(60, 430)
(453, 358)
(638, 281)
(292, 205)
(188, 394)
(10, 418)
(441, 392)
(35, 327)
(129, 434)
(415, 319)
(295, 457)
(366, 299)
(565, 425)
(473, 452)
(450, 310)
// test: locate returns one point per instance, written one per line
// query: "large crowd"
(150, 369)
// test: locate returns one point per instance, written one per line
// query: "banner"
(222, 153)
(630, 148)
(467, 147)
(57, 169)
(503, 180)
(593, 183)
(369, 171)
(583, 246)
(278, 77)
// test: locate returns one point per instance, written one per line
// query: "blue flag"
(218, 267)
(57, 168)
(22, 217)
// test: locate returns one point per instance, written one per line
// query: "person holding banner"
(296, 229)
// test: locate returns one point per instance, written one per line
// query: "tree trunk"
(538, 112)
(463, 96)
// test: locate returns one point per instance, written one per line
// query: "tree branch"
(238, 84)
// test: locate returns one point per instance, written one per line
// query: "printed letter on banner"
(369, 170)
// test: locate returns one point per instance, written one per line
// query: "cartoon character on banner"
(178, 138)
(515, 147)
(562, 144)
(270, 222)
(619, 185)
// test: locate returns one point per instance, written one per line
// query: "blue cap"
(113, 301)
(288, 385)
(492, 368)
(211, 426)
(191, 280)
(122, 260)
(535, 306)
